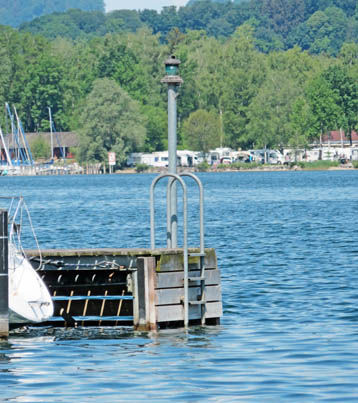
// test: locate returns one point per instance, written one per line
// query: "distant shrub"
(322, 164)
(40, 149)
(245, 165)
(355, 164)
(224, 166)
(203, 166)
(141, 168)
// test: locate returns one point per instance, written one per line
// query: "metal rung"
(197, 254)
(196, 302)
(91, 297)
(92, 318)
(196, 278)
(57, 286)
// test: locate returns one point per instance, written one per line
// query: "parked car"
(225, 160)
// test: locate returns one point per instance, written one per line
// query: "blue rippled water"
(287, 247)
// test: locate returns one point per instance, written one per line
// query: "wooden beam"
(169, 313)
(176, 279)
(144, 314)
(173, 296)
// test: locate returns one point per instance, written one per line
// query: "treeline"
(16, 12)
(319, 26)
(108, 89)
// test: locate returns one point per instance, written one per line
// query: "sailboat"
(29, 298)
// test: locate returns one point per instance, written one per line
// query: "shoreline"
(271, 168)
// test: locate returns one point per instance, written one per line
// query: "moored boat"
(29, 299)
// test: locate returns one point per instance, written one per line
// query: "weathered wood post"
(4, 281)
(144, 315)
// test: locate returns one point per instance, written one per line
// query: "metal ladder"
(201, 300)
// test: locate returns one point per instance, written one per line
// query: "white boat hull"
(29, 299)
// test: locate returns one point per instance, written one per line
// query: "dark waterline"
(287, 247)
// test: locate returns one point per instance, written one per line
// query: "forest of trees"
(315, 25)
(15, 12)
(106, 86)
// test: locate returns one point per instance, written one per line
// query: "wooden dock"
(143, 288)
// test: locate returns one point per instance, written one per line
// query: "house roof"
(65, 139)
(335, 136)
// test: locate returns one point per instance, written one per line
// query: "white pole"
(5, 148)
(22, 134)
(50, 116)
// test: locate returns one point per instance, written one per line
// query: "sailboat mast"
(5, 148)
(51, 133)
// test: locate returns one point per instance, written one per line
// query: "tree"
(118, 62)
(346, 90)
(243, 73)
(323, 102)
(269, 112)
(202, 131)
(40, 148)
(111, 121)
(14, 12)
(324, 31)
(157, 128)
(299, 124)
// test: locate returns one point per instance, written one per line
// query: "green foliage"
(201, 131)
(40, 148)
(203, 166)
(110, 121)
(318, 165)
(14, 12)
(141, 168)
(100, 74)
(157, 128)
(317, 26)
(325, 31)
(269, 112)
(244, 166)
(355, 164)
(243, 73)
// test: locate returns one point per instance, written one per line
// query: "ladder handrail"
(152, 209)
(185, 233)
(201, 207)
(174, 178)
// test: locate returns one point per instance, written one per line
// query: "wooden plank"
(144, 312)
(170, 313)
(174, 262)
(176, 279)
(172, 296)
(150, 282)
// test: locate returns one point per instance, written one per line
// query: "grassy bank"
(242, 166)
(301, 165)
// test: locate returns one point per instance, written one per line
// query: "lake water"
(287, 248)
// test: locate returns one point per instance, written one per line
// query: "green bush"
(141, 167)
(40, 149)
(225, 166)
(322, 164)
(203, 166)
(355, 164)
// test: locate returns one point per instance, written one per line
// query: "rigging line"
(34, 234)
(20, 208)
